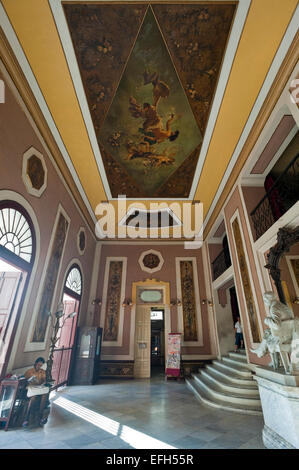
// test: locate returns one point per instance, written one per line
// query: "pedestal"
(279, 395)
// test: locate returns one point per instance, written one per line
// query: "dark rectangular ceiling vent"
(139, 218)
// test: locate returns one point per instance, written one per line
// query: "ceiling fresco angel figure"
(152, 129)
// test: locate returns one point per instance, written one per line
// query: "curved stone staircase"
(227, 384)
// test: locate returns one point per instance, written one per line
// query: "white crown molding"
(276, 63)
(21, 58)
(20, 101)
(231, 49)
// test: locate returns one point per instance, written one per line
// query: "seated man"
(36, 378)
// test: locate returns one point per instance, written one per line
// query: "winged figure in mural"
(152, 129)
(143, 150)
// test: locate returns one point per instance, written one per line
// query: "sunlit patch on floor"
(134, 438)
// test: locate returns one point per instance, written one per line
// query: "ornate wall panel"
(112, 313)
(50, 280)
(245, 279)
(188, 300)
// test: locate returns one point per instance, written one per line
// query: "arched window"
(71, 305)
(17, 237)
(74, 280)
(17, 253)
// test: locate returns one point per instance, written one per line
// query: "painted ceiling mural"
(149, 87)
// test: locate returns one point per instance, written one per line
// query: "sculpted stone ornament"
(281, 338)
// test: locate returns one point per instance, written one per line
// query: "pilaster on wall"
(90, 319)
(235, 208)
(214, 336)
(293, 92)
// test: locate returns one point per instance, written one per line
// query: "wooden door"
(142, 366)
(9, 302)
(9, 283)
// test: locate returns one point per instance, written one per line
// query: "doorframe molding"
(150, 284)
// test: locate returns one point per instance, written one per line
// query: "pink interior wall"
(279, 135)
(214, 250)
(220, 230)
(232, 206)
(17, 136)
(167, 273)
(222, 297)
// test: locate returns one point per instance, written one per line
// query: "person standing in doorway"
(239, 335)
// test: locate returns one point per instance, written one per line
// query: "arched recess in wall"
(19, 250)
(71, 296)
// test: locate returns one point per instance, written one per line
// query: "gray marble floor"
(138, 414)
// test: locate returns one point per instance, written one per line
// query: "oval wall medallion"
(151, 261)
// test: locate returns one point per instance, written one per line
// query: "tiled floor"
(140, 414)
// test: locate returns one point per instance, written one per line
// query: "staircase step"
(242, 358)
(243, 366)
(231, 397)
(230, 376)
(241, 372)
(228, 386)
(205, 396)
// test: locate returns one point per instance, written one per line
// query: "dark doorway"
(234, 304)
(157, 341)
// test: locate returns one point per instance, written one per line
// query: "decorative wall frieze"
(189, 312)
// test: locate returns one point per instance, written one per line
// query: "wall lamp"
(97, 302)
(209, 302)
(127, 303)
(174, 302)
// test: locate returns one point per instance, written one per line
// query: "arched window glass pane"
(73, 281)
(15, 233)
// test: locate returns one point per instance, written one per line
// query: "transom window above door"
(73, 281)
(15, 233)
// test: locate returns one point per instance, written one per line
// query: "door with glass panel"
(142, 366)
